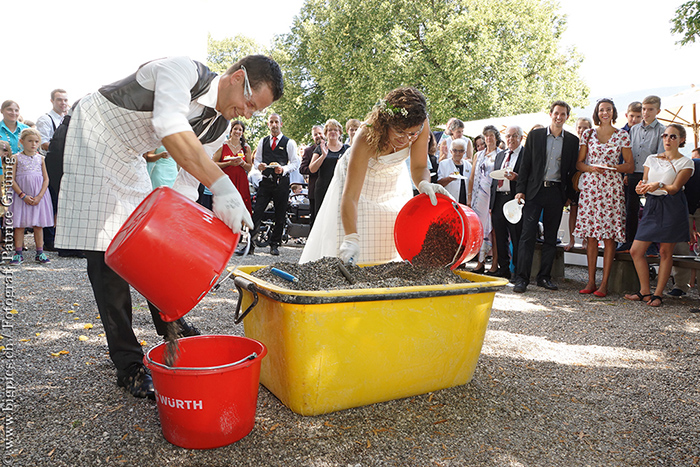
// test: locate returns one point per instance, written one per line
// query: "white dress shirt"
(294, 161)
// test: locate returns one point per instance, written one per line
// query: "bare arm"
(357, 169)
(419, 156)
(628, 166)
(317, 159)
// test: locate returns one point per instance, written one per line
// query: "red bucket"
(209, 399)
(172, 251)
(454, 220)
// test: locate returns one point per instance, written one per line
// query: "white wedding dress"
(386, 189)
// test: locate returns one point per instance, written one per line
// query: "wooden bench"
(623, 277)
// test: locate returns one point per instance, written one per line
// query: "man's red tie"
(274, 143)
(505, 164)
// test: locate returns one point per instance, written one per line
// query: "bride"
(372, 183)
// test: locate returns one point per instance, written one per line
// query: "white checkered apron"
(105, 175)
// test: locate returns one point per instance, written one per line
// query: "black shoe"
(547, 284)
(240, 251)
(187, 329)
(503, 273)
(479, 270)
(520, 286)
(137, 381)
(274, 251)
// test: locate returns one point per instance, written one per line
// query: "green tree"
(472, 58)
(223, 53)
(687, 22)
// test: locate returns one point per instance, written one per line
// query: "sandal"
(639, 297)
(654, 298)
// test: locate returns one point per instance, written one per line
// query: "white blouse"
(665, 171)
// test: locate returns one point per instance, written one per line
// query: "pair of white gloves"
(350, 248)
(228, 204)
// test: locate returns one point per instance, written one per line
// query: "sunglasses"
(248, 94)
(672, 137)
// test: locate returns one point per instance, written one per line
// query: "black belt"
(548, 184)
(503, 193)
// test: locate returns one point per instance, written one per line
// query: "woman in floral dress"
(601, 205)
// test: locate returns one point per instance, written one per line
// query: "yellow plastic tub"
(332, 350)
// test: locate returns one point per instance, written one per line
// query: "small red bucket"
(209, 399)
(458, 221)
(172, 250)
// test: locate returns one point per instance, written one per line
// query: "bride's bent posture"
(372, 182)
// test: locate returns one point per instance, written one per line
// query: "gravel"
(563, 380)
(326, 274)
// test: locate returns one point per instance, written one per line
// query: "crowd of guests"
(602, 174)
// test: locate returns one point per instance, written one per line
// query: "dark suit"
(540, 200)
(501, 227)
(313, 176)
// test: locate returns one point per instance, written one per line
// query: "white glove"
(431, 188)
(228, 204)
(350, 249)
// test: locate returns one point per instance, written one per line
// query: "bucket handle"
(252, 356)
(243, 283)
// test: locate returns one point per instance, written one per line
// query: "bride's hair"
(402, 108)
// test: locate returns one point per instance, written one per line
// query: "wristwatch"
(661, 184)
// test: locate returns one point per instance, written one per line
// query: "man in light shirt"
(182, 105)
(47, 124)
(276, 157)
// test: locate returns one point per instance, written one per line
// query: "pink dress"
(601, 205)
(29, 177)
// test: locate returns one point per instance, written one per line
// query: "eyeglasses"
(458, 151)
(671, 136)
(412, 135)
(248, 95)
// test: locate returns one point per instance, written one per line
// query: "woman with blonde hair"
(325, 158)
(372, 183)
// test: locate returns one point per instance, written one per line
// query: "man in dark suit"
(503, 191)
(317, 134)
(544, 182)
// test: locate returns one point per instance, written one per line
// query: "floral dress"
(601, 207)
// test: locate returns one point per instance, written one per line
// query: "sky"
(80, 45)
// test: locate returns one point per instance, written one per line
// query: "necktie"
(274, 143)
(505, 164)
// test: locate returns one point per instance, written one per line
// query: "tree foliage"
(472, 58)
(687, 22)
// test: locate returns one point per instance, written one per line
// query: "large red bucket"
(456, 220)
(172, 251)
(209, 399)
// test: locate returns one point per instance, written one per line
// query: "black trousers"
(632, 204)
(548, 204)
(278, 192)
(504, 230)
(113, 297)
(50, 232)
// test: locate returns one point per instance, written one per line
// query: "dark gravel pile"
(325, 274)
(440, 246)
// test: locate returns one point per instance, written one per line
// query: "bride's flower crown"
(390, 109)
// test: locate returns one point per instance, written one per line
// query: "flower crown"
(390, 109)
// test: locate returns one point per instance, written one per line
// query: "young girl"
(31, 203)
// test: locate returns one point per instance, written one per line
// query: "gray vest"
(130, 95)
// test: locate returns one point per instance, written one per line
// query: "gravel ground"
(563, 380)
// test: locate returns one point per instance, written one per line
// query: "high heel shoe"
(587, 291)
